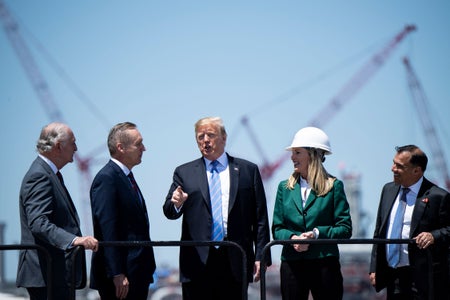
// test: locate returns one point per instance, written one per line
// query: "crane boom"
(29, 65)
(42, 90)
(345, 94)
(421, 103)
(358, 80)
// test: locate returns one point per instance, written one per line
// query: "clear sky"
(165, 64)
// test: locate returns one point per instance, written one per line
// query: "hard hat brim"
(326, 152)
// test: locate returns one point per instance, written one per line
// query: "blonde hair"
(318, 178)
(215, 121)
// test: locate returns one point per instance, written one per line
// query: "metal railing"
(171, 244)
(338, 241)
(263, 263)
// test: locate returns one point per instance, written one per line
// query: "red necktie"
(136, 189)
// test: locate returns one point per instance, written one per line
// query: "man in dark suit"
(119, 214)
(48, 218)
(240, 216)
(425, 217)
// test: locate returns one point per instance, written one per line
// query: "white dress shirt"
(410, 202)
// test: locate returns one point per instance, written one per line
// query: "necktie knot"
(60, 176)
(404, 193)
(214, 165)
(133, 181)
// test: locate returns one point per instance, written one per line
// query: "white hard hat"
(311, 137)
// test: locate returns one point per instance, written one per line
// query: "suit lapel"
(389, 199)
(127, 184)
(419, 207)
(65, 194)
(296, 197)
(200, 172)
(310, 200)
(233, 168)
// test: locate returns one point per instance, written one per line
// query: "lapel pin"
(425, 200)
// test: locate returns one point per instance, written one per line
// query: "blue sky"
(165, 64)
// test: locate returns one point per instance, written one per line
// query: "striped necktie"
(215, 192)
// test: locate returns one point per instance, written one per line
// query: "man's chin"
(207, 153)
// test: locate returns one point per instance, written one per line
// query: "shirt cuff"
(70, 246)
(316, 233)
(178, 209)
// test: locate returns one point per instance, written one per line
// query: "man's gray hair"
(50, 135)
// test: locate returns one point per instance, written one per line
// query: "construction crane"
(42, 91)
(421, 103)
(343, 96)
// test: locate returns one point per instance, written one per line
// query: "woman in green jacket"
(311, 204)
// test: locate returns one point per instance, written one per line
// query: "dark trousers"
(322, 277)
(40, 293)
(217, 282)
(399, 284)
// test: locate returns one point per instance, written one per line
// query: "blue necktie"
(215, 193)
(396, 232)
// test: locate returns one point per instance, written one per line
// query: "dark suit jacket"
(247, 215)
(330, 214)
(118, 215)
(431, 214)
(49, 219)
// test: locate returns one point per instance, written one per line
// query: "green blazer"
(330, 214)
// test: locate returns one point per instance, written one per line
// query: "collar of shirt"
(305, 189)
(223, 162)
(50, 163)
(124, 168)
(413, 190)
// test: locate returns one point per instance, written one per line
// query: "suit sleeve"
(169, 208)
(262, 222)
(342, 223)
(39, 200)
(377, 234)
(279, 230)
(441, 235)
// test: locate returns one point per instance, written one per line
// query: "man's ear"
(120, 147)
(58, 146)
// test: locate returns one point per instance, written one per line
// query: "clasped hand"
(303, 236)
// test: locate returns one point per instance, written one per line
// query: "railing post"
(328, 241)
(183, 244)
(262, 280)
(430, 274)
(73, 272)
